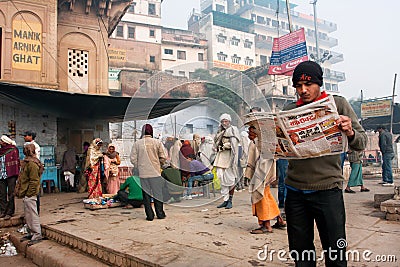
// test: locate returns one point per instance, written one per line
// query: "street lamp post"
(314, 3)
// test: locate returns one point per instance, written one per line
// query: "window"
(285, 90)
(263, 60)
(220, 8)
(152, 59)
(189, 128)
(169, 72)
(275, 23)
(78, 64)
(200, 57)
(247, 44)
(181, 73)
(260, 20)
(235, 59)
(253, 17)
(168, 51)
(235, 41)
(221, 38)
(141, 82)
(152, 33)
(131, 8)
(152, 9)
(248, 61)
(120, 31)
(335, 87)
(181, 55)
(268, 21)
(221, 56)
(328, 86)
(131, 32)
(210, 129)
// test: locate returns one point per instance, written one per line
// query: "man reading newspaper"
(315, 184)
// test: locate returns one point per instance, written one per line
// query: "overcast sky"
(368, 34)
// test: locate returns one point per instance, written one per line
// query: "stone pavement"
(196, 233)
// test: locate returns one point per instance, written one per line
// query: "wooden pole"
(392, 107)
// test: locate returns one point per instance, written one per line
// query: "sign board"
(26, 44)
(227, 65)
(376, 108)
(117, 55)
(287, 52)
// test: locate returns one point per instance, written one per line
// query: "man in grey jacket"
(147, 156)
(386, 147)
(314, 185)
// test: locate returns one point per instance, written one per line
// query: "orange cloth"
(266, 209)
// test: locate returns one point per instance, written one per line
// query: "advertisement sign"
(376, 108)
(26, 44)
(117, 55)
(287, 52)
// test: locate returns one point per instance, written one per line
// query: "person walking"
(386, 148)
(227, 142)
(356, 178)
(261, 173)
(147, 156)
(9, 170)
(28, 189)
(314, 185)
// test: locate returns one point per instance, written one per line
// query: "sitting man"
(134, 198)
(172, 190)
(198, 172)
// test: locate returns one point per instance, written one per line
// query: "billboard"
(287, 52)
(376, 108)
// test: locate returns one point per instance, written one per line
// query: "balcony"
(334, 75)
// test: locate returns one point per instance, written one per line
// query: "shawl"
(94, 153)
(112, 155)
(262, 172)
(69, 161)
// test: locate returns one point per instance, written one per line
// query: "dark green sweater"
(325, 172)
(135, 189)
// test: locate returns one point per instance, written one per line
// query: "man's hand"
(344, 123)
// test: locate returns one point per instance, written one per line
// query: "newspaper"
(305, 132)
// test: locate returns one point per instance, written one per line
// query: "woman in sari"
(113, 160)
(95, 156)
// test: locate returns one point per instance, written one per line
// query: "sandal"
(261, 230)
(364, 190)
(279, 225)
(349, 191)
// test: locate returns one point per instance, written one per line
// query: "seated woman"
(198, 172)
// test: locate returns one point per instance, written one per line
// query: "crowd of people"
(309, 190)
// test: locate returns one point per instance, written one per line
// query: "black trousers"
(153, 188)
(7, 203)
(326, 208)
(123, 197)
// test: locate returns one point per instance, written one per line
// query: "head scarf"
(94, 151)
(147, 129)
(225, 116)
(111, 155)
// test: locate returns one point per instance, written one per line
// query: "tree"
(218, 87)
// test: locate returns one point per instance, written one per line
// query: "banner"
(376, 108)
(287, 52)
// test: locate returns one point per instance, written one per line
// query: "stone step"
(51, 254)
(102, 253)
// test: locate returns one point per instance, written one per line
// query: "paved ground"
(196, 233)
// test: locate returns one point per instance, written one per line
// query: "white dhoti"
(227, 177)
(69, 176)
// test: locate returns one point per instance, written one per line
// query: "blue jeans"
(387, 175)
(282, 165)
(204, 177)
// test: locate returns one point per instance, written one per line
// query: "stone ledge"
(379, 198)
(14, 221)
(104, 254)
(391, 206)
